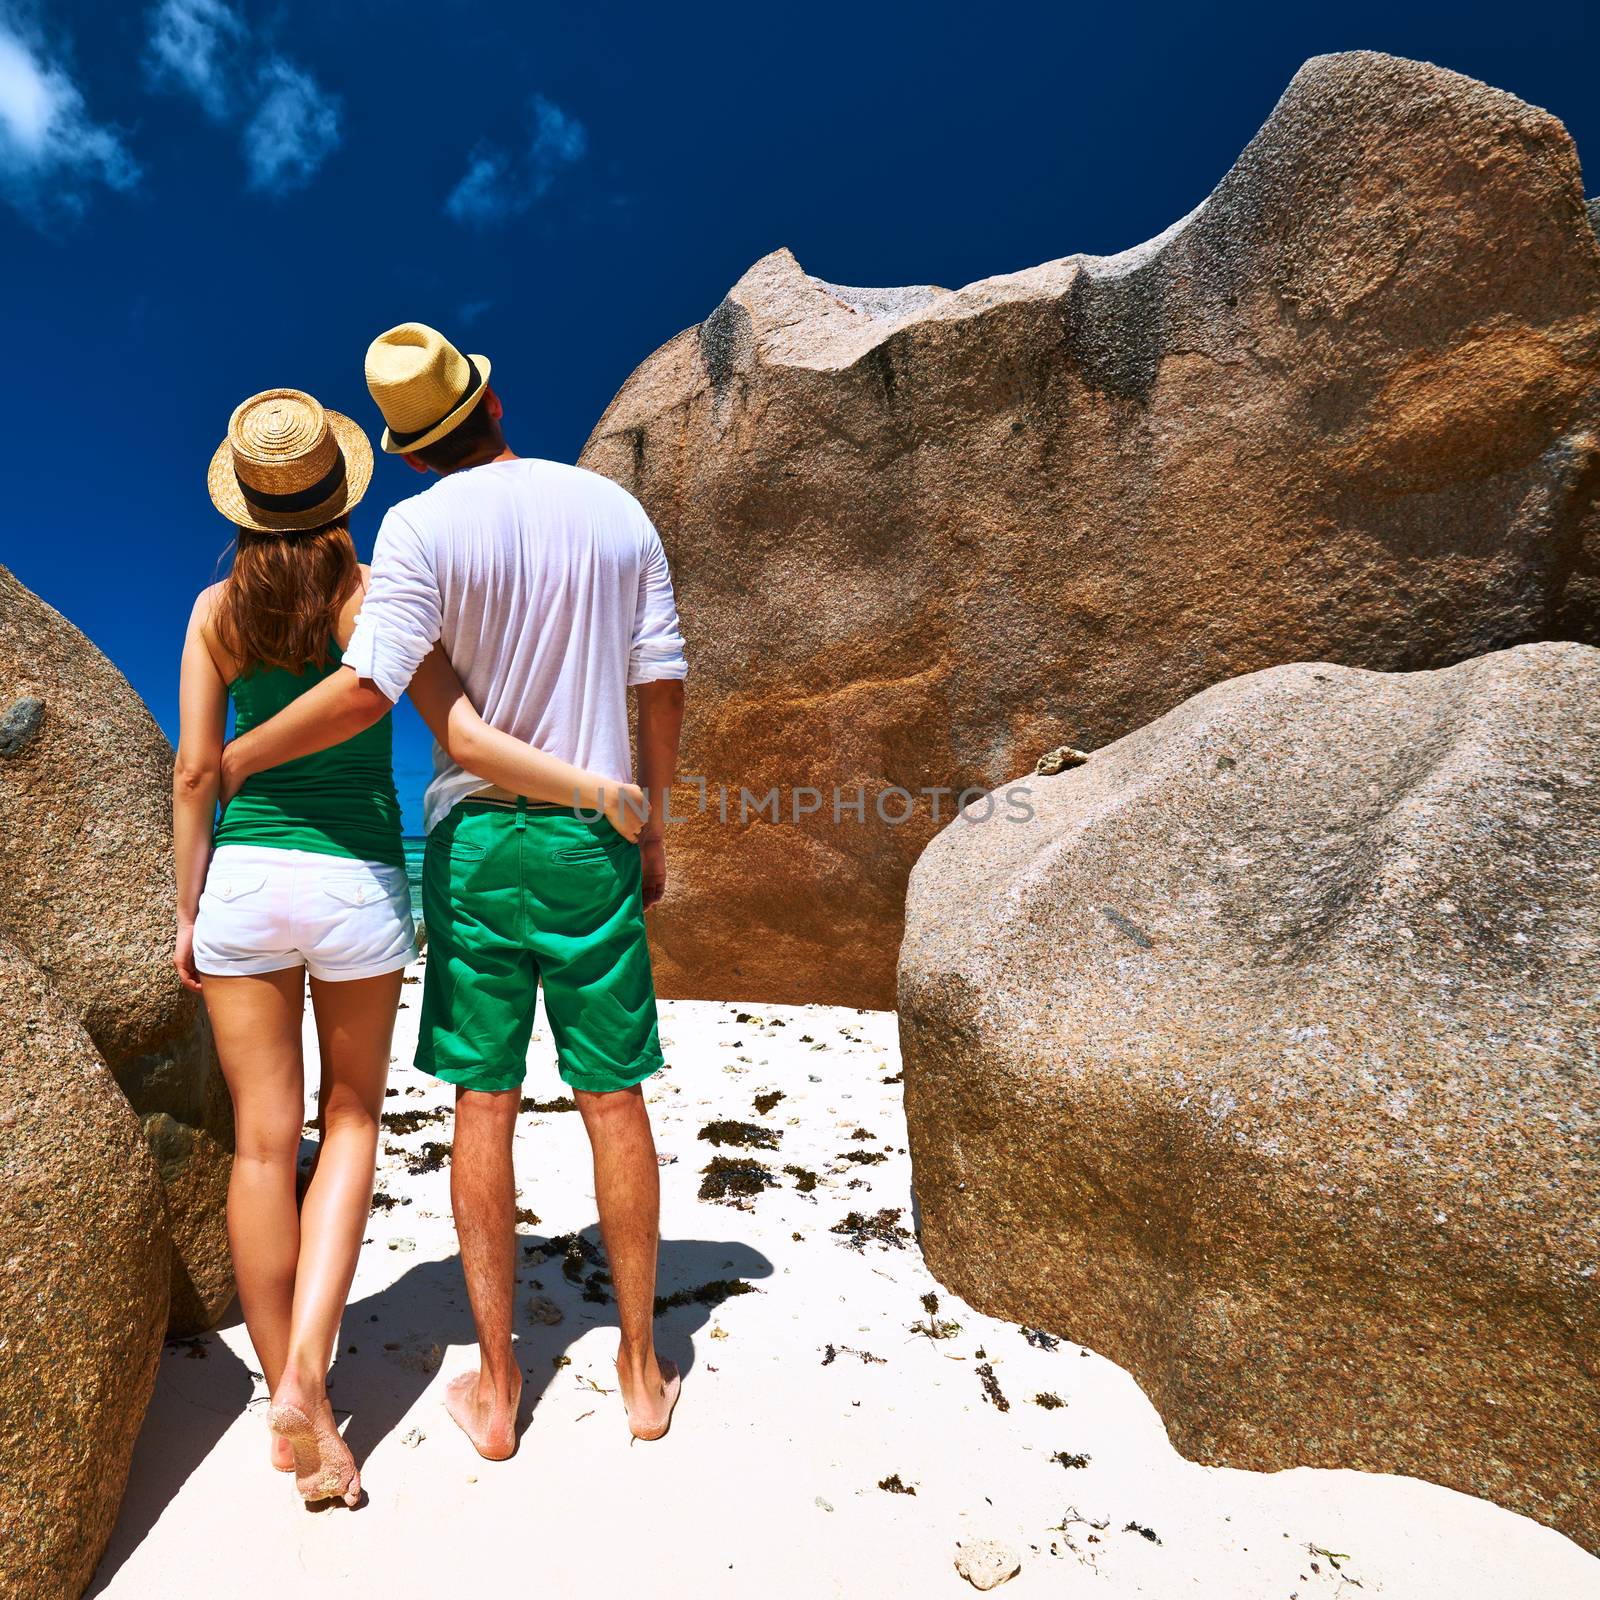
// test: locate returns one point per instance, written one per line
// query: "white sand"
(768, 1481)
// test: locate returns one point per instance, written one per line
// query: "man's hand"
(233, 775)
(328, 713)
(183, 956)
(653, 855)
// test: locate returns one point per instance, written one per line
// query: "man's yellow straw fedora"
(288, 464)
(423, 385)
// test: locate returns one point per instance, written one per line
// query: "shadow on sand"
(392, 1345)
(201, 1388)
(394, 1342)
(191, 1409)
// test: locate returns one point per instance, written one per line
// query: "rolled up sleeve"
(656, 651)
(400, 617)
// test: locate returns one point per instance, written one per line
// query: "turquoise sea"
(413, 843)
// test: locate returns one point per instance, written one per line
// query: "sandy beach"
(844, 1422)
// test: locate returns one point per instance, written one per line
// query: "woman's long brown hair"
(282, 599)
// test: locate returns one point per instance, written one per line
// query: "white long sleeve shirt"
(550, 591)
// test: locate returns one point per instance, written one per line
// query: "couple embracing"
(516, 601)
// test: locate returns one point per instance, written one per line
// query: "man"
(549, 591)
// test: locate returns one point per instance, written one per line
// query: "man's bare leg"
(483, 1197)
(627, 1187)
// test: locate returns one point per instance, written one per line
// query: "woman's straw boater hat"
(287, 464)
(423, 385)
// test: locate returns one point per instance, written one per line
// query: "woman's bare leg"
(256, 1023)
(355, 1027)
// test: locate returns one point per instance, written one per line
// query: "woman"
(304, 874)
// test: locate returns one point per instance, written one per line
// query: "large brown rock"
(1345, 409)
(1266, 1061)
(86, 888)
(84, 1262)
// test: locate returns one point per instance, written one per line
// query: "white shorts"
(264, 909)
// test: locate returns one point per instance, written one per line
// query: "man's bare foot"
(324, 1469)
(488, 1419)
(649, 1396)
(282, 1454)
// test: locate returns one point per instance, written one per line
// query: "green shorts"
(513, 896)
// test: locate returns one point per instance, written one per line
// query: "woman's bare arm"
(196, 775)
(510, 762)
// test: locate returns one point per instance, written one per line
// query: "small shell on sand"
(541, 1308)
(986, 1563)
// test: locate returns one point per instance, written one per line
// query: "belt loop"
(522, 812)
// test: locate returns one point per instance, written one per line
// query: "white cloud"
(197, 45)
(498, 186)
(209, 50)
(557, 138)
(294, 130)
(482, 194)
(52, 153)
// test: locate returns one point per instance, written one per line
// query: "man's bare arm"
(338, 708)
(660, 724)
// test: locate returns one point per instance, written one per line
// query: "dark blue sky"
(205, 198)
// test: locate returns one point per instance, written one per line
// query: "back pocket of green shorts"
(577, 854)
(597, 847)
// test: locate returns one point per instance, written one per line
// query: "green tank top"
(338, 802)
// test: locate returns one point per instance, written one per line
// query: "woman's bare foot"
(324, 1469)
(648, 1397)
(488, 1419)
(282, 1454)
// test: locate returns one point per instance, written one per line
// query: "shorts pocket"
(593, 851)
(599, 843)
(355, 891)
(232, 884)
